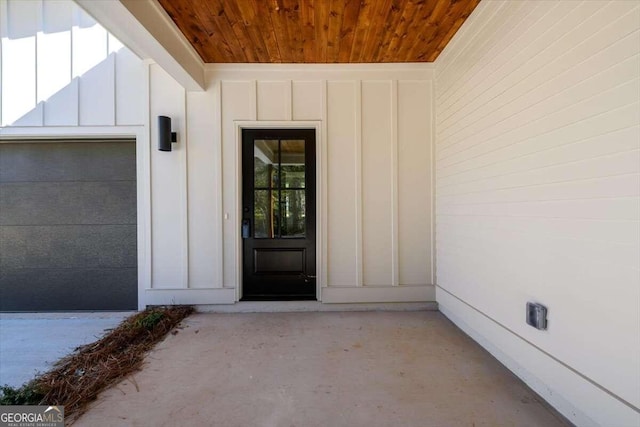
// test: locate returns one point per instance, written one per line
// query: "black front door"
(279, 214)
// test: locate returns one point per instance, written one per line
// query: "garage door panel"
(68, 233)
(52, 203)
(76, 161)
(68, 289)
(75, 246)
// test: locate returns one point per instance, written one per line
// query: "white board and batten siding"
(374, 144)
(61, 68)
(538, 184)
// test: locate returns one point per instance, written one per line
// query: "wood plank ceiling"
(319, 31)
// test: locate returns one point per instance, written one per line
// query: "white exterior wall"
(537, 183)
(374, 188)
(537, 175)
(61, 68)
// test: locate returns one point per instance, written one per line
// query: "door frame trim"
(321, 194)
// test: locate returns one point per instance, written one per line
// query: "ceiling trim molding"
(396, 66)
(145, 28)
(385, 71)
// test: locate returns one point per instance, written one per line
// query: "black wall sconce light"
(165, 136)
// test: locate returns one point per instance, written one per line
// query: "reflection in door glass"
(266, 214)
(292, 163)
(279, 188)
(293, 213)
(266, 162)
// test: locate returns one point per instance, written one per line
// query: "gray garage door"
(68, 226)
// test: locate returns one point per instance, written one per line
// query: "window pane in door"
(266, 214)
(292, 163)
(266, 158)
(293, 209)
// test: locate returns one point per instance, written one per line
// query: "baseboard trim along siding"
(571, 394)
(189, 296)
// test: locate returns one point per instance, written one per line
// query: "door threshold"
(279, 298)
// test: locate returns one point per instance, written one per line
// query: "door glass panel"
(265, 163)
(293, 211)
(292, 163)
(266, 215)
(279, 183)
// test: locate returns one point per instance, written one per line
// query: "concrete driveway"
(33, 342)
(374, 369)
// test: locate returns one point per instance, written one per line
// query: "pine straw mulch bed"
(77, 379)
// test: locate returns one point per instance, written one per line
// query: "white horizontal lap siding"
(537, 192)
(60, 68)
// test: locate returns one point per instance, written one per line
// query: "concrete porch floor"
(320, 369)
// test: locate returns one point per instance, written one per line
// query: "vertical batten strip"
(143, 174)
(115, 83)
(254, 101)
(75, 27)
(289, 100)
(74, 30)
(40, 24)
(146, 142)
(432, 176)
(3, 36)
(185, 194)
(324, 179)
(395, 267)
(143, 213)
(113, 63)
(71, 50)
(217, 141)
(358, 172)
(148, 164)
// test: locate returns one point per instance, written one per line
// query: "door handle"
(246, 228)
(306, 277)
